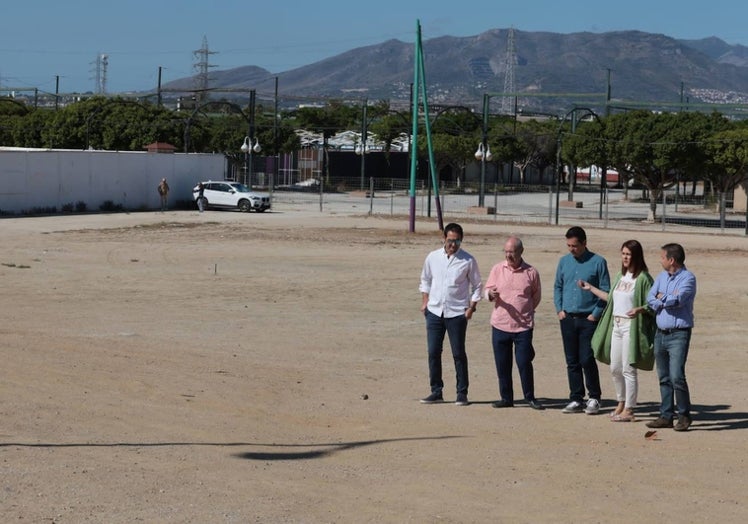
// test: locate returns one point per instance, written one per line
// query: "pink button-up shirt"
(519, 296)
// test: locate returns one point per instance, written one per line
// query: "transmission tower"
(100, 68)
(509, 62)
(201, 66)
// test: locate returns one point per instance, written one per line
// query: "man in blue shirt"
(450, 289)
(578, 313)
(671, 297)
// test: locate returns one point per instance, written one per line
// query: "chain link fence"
(609, 207)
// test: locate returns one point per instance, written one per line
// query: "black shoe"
(534, 404)
(461, 399)
(432, 399)
(684, 422)
(660, 423)
(503, 404)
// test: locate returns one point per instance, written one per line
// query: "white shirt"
(452, 283)
(623, 295)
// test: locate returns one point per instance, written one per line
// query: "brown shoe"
(660, 423)
(684, 422)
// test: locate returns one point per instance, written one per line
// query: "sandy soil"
(267, 368)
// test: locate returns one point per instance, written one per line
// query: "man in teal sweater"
(578, 313)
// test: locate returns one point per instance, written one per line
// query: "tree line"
(653, 149)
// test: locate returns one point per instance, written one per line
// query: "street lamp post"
(362, 148)
(249, 147)
(484, 152)
(484, 155)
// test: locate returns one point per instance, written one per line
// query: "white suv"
(232, 195)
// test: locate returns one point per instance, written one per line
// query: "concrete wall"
(43, 178)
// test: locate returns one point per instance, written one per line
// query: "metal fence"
(608, 208)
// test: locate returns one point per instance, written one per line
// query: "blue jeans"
(671, 352)
(581, 367)
(502, 355)
(456, 328)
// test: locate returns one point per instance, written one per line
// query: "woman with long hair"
(624, 335)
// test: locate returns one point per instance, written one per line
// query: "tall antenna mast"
(100, 69)
(509, 63)
(201, 66)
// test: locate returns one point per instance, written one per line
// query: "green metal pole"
(482, 192)
(432, 161)
(414, 133)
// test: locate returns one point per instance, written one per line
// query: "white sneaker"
(573, 407)
(593, 406)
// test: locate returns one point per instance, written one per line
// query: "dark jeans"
(502, 354)
(456, 328)
(581, 366)
(671, 352)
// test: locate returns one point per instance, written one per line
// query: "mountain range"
(550, 71)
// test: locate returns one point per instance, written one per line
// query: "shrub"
(110, 207)
(40, 211)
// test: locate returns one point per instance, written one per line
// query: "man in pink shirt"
(513, 287)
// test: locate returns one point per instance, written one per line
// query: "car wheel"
(244, 206)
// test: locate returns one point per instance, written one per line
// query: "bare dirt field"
(227, 367)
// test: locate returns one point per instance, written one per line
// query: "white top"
(623, 295)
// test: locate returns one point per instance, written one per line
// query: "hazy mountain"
(720, 51)
(643, 67)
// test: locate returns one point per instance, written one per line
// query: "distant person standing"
(163, 191)
(514, 288)
(671, 297)
(450, 288)
(200, 198)
(578, 312)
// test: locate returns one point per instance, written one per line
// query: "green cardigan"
(641, 351)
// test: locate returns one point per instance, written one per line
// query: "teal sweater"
(641, 351)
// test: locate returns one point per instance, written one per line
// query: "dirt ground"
(227, 367)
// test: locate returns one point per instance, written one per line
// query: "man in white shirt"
(450, 288)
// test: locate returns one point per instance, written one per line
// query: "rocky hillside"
(643, 67)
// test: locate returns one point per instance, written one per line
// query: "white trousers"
(624, 375)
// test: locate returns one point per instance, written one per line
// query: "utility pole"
(158, 88)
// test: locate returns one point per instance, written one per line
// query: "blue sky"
(45, 39)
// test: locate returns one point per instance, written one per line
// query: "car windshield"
(241, 188)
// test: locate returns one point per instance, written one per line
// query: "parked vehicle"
(232, 195)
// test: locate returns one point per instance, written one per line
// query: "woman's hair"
(637, 264)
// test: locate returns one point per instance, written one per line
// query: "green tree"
(641, 143)
(11, 111)
(27, 130)
(690, 156)
(389, 125)
(728, 153)
(455, 135)
(535, 146)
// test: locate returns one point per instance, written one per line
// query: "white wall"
(43, 178)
